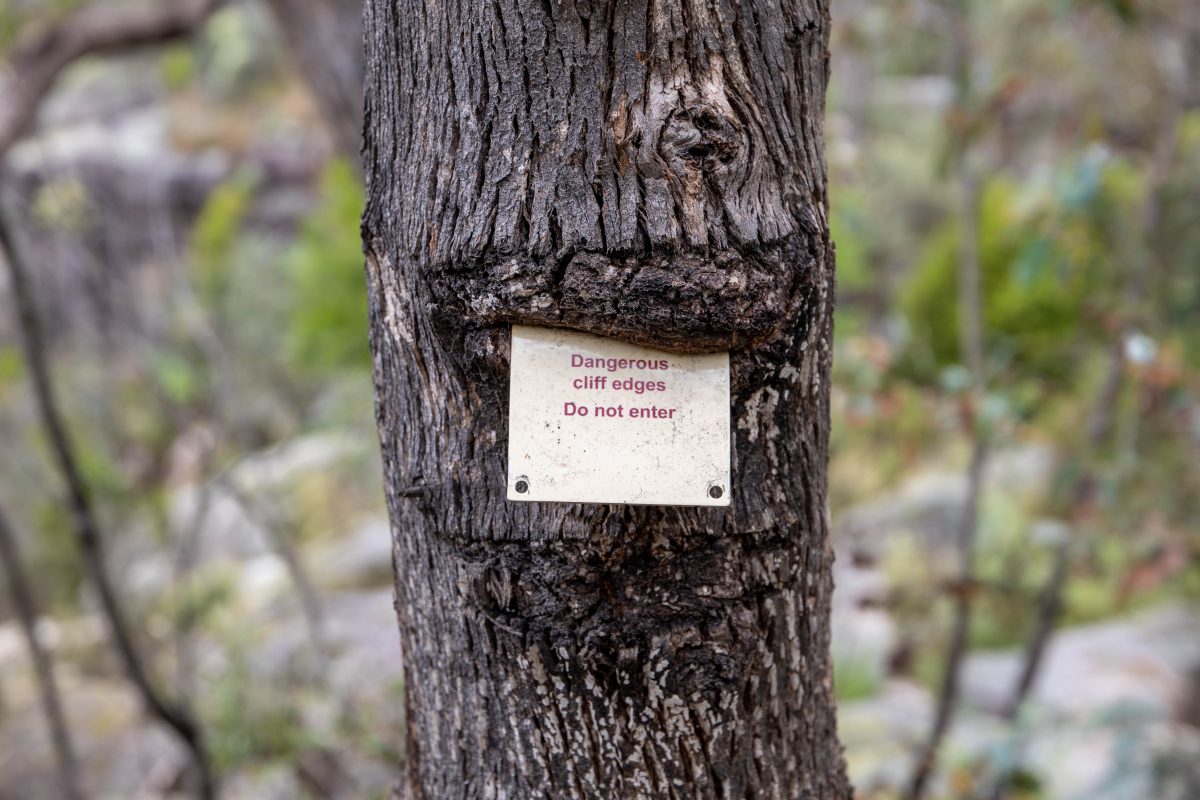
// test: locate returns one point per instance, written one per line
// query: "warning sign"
(594, 420)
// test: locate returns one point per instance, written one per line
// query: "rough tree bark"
(651, 171)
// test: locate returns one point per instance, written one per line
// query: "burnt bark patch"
(687, 302)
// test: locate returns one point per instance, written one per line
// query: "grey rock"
(220, 525)
(928, 506)
(274, 782)
(1145, 661)
(864, 634)
(362, 559)
(1024, 471)
(285, 463)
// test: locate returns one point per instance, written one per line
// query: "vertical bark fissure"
(660, 181)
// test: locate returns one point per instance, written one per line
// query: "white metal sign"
(594, 420)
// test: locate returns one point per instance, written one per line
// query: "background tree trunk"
(324, 38)
(652, 172)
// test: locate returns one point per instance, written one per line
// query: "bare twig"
(957, 648)
(1050, 605)
(1049, 608)
(970, 288)
(276, 530)
(83, 517)
(1100, 425)
(970, 304)
(97, 28)
(186, 544)
(324, 40)
(311, 606)
(18, 584)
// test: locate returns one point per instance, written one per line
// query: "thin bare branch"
(311, 606)
(957, 648)
(84, 520)
(1100, 424)
(26, 607)
(34, 65)
(970, 307)
(324, 40)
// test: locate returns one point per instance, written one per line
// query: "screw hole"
(522, 486)
(715, 492)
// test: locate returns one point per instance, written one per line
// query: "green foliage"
(215, 237)
(178, 66)
(10, 24)
(1032, 303)
(238, 51)
(1177, 279)
(1012, 570)
(12, 366)
(1127, 10)
(377, 728)
(197, 600)
(328, 325)
(883, 430)
(54, 558)
(251, 720)
(15, 15)
(855, 679)
(178, 377)
(63, 204)
(1050, 262)
(849, 229)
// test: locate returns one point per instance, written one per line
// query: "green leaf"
(328, 326)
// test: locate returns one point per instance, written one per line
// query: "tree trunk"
(652, 172)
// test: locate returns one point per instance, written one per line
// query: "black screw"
(522, 486)
(715, 492)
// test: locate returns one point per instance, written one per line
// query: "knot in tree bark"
(701, 137)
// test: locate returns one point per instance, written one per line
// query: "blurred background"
(1014, 484)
